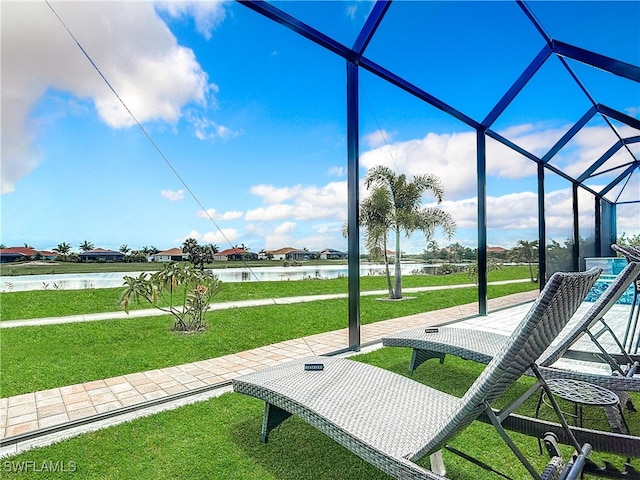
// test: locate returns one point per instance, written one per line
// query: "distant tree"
(26, 245)
(559, 256)
(458, 252)
(432, 250)
(472, 269)
(526, 252)
(199, 255)
(86, 246)
(125, 249)
(632, 241)
(137, 256)
(2, 245)
(267, 254)
(63, 248)
(209, 251)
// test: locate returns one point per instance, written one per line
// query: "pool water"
(601, 285)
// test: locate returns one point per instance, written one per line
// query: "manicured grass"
(38, 358)
(47, 268)
(219, 439)
(52, 303)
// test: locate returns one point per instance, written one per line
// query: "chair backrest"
(632, 254)
(601, 306)
(556, 304)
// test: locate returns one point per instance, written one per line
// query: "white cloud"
(452, 157)
(351, 11)
(359, 9)
(378, 138)
(222, 238)
(442, 155)
(215, 215)
(271, 194)
(300, 203)
(171, 195)
(207, 15)
(153, 75)
(207, 129)
(286, 227)
(336, 171)
(588, 145)
(633, 111)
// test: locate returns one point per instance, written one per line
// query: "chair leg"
(273, 416)
(437, 463)
(418, 357)
(635, 313)
(631, 326)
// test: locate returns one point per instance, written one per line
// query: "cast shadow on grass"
(297, 450)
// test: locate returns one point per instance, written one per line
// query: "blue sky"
(248, 120)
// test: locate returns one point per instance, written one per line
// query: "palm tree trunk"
(386, 268)
(531, 272)
(398, 275)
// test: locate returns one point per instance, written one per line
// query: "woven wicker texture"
(388, 419)
(483, 346)
(582, 392)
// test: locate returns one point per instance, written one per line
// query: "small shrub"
(199, 288)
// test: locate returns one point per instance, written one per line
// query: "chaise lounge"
(390, 420)
(482, 346)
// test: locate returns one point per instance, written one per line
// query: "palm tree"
(86, 246)
(375, 217)
(125, 249)
(63, 248)
(190, 246)
(406, 212)
(525, 251)
(149, 250)
(199, 254)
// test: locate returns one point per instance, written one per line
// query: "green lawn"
(51, 303)
(37, 358)
(219, 439)
(47, 268)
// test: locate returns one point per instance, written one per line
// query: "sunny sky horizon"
(244, 138)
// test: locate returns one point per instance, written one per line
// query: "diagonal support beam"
(518, 85)
(611, 65)
(371, 25)
(570, 134)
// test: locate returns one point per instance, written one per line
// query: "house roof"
(496, 249)
(27, 252)
(101, 251)
(331, 250)
(232, 251)
(284, 250)
(172, 252)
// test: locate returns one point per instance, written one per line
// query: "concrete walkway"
(152, 312)
(42, 417)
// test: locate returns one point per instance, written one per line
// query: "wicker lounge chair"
(390, 420)
(632, 254)
(482, 346)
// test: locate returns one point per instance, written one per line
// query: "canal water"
(79, 281)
